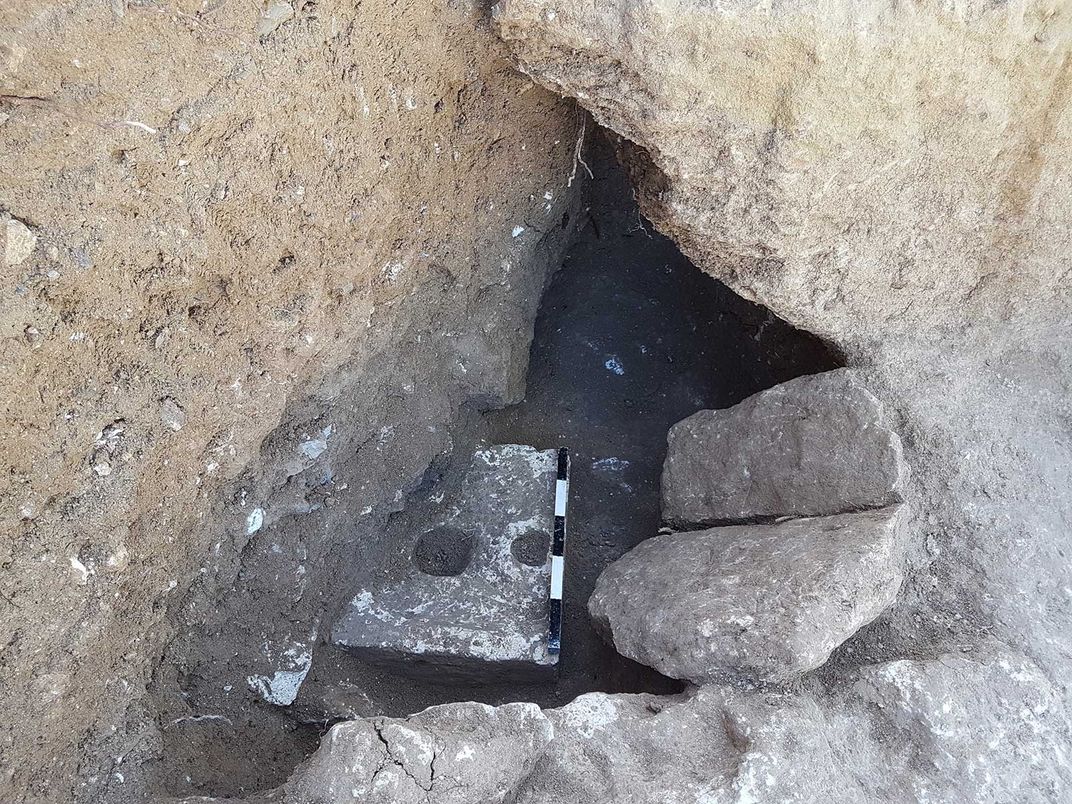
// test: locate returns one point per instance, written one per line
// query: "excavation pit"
(630, 339)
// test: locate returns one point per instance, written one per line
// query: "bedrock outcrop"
(895, 177)
(894, 732)
(860, 168)
(758, 602)
(815, 445)
(897, 731)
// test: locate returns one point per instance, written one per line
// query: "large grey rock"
(453, 754)
(949, 729)
(714, 744)
(632, 748)
(985, 727)
(474, 597)
(811, 446)
(766, 602)
(862, 168)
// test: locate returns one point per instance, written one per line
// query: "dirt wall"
(221, 221)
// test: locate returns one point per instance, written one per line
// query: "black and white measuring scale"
(558, 554)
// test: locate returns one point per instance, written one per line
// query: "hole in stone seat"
(530, 548)
(443, 551)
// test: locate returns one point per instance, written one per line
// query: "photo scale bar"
(558, 554)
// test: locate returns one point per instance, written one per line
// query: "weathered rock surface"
(454, 754)
(632, 748)
(986, 726)
(766, 602)
(946, 729)
(966, 728)
(811, 446)
(861, 169)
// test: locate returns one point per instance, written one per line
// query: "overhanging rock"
(474, 597)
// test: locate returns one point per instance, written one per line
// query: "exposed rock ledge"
(896, 732)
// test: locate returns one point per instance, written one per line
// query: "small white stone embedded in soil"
(140, 126)
(19, 242)
(313, 448)
(273, 15)
(82, 570)
(172, 415)
(254, 521)
(393, 270)
(615, 366)
(281, 688)
(518, 231)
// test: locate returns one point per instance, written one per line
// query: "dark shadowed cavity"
(630, 339)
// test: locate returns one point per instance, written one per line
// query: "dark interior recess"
(443, 551)
(630, 338)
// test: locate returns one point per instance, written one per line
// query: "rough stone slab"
(493, 614)
(452, 754)
(948, 729)
(812, 446)
(765, 602)
(954, 728)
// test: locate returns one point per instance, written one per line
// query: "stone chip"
(19, 241)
